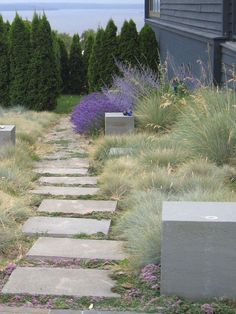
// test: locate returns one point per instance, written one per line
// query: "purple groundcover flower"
(208, 309)
(150, 274)
(10, 268)
(89, 116)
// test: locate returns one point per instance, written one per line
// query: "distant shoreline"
(67, 6)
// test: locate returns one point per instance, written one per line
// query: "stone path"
(55, 248)
(61, 282)
(58, 234)
(23, 310)
(79, 207)
(68, 180)
(65, 191)
(71, 163)
(62, 171)
(65, 227)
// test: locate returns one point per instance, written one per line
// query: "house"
(193, 31)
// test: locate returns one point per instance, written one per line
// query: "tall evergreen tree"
(110, 48)
(35, 64)
(7, 27)
(64, 61)
(4, 65)
(57, 54)
(129, 43)
(19, 62)
(47, 75)
(88, 48)
(149, 49)
(76, 65)
(95, 64)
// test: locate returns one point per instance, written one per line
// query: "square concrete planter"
(199, 250)
(7, 135)
(116, 123)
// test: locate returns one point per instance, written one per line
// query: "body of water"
(78, 20)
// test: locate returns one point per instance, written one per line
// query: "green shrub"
(207, 127)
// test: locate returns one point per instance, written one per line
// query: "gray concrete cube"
(116, 123)
(199, 250)
(7, 135)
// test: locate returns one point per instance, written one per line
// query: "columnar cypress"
(19, 62)
(95, 64)
(149, 49)
(35, 65)
(110, 48)
(4, 65)
(64, 61)
(129, 43)
(57, 54)
(88, 48)
(76, 65)
(48, 86)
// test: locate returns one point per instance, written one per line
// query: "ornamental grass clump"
(89, 116)
(207, 126)
(158, 111)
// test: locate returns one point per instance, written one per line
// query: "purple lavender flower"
(88, 116)
(131, 85)
(207, 309)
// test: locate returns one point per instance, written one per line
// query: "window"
(154, 8)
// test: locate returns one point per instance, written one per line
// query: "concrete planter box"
(199, 250)
(7, 135)
(116, 124)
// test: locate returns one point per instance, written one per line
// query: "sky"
(78, 1)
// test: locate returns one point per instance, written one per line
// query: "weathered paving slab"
(22, 310)
(120, 151)
(65, 191)
(64, 227)
(62, 171)
(26, 310)
(60, 282)
(56, 248)
(69, 180)
(69, 163)
(79, 207)
(90, 312)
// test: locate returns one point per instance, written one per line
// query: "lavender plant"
(130, 85)
(88, 116)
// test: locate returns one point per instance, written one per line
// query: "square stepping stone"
(69, 180)
(62, 171)
(68, 163)
(91, 312)
(60, 282)
(22, 310)
(57, 248)
(64, 227)
(120, 151)
(79, 207)
(65, 191)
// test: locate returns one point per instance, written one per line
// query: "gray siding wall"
(228, 51)
(203, 15)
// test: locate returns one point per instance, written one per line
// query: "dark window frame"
(153, 13)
